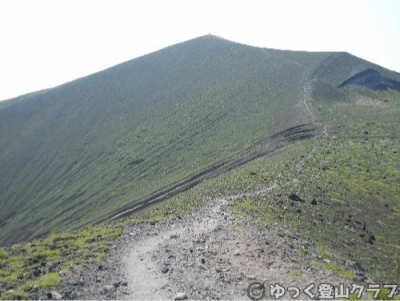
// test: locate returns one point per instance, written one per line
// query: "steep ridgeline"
(75, 153)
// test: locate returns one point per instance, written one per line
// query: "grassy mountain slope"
(71, 154)
(340, 192)
(74, 153)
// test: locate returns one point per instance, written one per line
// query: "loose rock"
(164, 270)
(108, 288)
(56, 296)
(181, 296)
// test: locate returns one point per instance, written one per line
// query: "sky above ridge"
(45, 43)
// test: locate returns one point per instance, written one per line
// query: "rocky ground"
(205, 255)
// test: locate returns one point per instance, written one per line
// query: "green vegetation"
(243, 228)
(3, 253)
(91, 146)
(121, 134)
(350, 187)
(274, 239)
(43, 259)
(48, 280)
(304, 252)
(323, 252)
(333, 268)
(295, 276)
(87, 148)
(14, 295)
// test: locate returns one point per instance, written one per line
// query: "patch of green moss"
(91, 242)
(4, 272)
(11, 277)
(333, 268)
(26, 286)
(15, 259)
(16, 264)
(304, 252)
(274, 239)
(321, 250)
(295, 275)
(101, 247)
(111, 234)
(54, 238)
(47, 280)
(47, 253)
(14, 295)
(241, 227)
(99, 256)
(3, 253)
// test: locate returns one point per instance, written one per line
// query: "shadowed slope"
(372, 79)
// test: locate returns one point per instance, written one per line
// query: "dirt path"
(306, 83)
(141, 271)
(141, 267)
(209, 254)
(305, 98)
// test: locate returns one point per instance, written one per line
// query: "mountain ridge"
(85, 148)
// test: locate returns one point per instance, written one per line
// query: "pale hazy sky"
(47, 43)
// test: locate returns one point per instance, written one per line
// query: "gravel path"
(207, 254)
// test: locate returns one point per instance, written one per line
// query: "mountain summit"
(75, 153)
